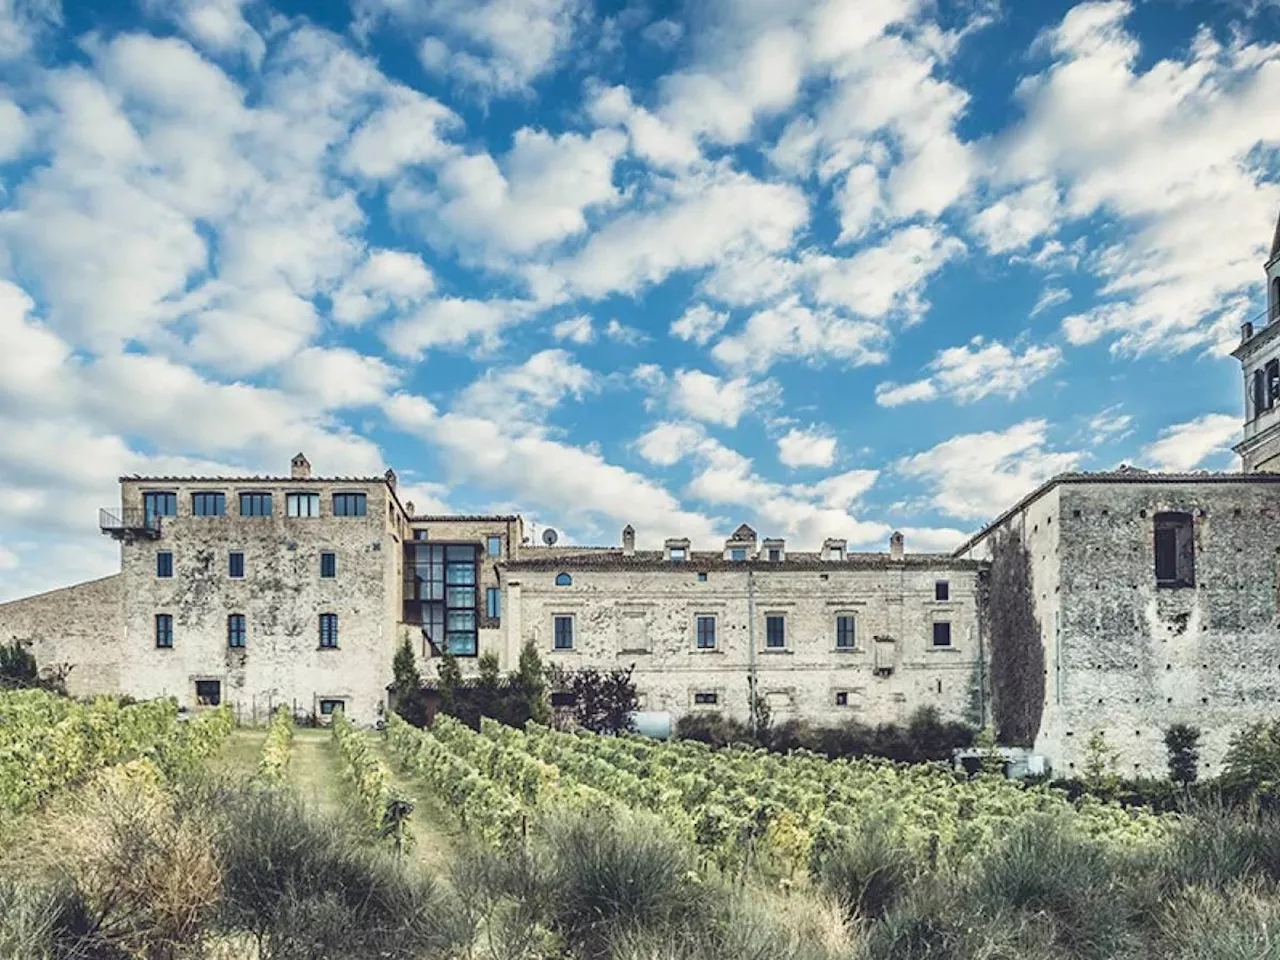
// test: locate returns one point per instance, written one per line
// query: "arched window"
(564, 580)
(1259, 392)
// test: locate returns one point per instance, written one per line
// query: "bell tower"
(1259, 356)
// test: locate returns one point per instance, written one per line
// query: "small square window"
(705, 698)
(842, 698)
(775, 632)
(350, 504)
(164, 564)
(702, 577)
(208, 693)
(563, 625)
(328, 566)
(942, 633)
(329, 630)
(329, 707)
(493, 546)
(235, 564)
(942, 590)
(208, 504)
(420, 534)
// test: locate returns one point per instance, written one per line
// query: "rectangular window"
(706, 628)
(236, 630)
(164, 564)
(494, 546)
(329, 630)
(302, 504)
(1175, 550)
(208, 693)
(420, 534)
(235, 565)
(164, 630)
(329, 707)
(492, 602)
(702, 577)
(255, 504)
(208, 504)
(677, 554)
(941, 633)
(159, 504)
(706, 698)
(737, 554)
(328, 566)
(942, 590)
(842, 698)
(564, 698)
(439, 588)
(1273, 383)
(349, 504)
(846, 632)
(564, 632)
(775, 555)
(775, 632)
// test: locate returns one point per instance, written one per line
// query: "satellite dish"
(549, 537)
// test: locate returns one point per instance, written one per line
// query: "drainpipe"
(751, 656)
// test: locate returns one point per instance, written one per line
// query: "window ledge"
(563, 650)
(776, 650)
(327, 648)
(1174, 585)
(848, 649)
(952, 649)
(636, 652)
(694, 651)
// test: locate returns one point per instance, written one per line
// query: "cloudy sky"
(833, 268)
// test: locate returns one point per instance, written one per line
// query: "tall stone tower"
(1259, 356)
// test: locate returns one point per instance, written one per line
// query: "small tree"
(18, 669)
(1252, 763)
(1183, 743)
(991, 761)
(603, 700)
(406, 686)
(1100, 773)
(527, 690)
(449, 678)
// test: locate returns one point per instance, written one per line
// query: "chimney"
(833, 549)
(628, 541)
(1246, 331)
(895, 546)
(391, 478)
(408, 507)
(300, 468)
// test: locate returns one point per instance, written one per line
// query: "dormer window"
(775, 555)
(738, 553)
(678, 554)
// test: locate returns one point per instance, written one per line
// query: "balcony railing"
(128, 523)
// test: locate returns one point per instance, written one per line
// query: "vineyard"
(132, 832)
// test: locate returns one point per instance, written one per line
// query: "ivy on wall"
(1017, 652)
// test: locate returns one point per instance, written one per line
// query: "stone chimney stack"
(391, 478)
(628, 541)
(896, 548)
(408, 507)
(1246, 331)
(300, 468)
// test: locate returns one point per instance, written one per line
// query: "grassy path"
(241, 754)
(315, 771)
(436, 832)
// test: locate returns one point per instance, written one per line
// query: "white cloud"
(652, 139)
(807, 448)
(527, 393)
(713, 399)
(1109, 426)
(15, 131)
(453, 322)
(218, 26)
(665, 33)
(408, 130)
(23, 22)
(496, 46)
(792, 331)
(576, 329)
(1015, 220)
(1049, 298)
(974, 476)
(1168, 150)
(339, 377)
(386, 279)
(1185, 446)
(699, 323)
(619, 332)
(976, 370)
(669, 442)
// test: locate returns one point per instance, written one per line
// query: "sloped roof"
(743, 533)
(1275, 243)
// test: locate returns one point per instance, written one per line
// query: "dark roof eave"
(302, 480)
(653, 561)
(464, 517)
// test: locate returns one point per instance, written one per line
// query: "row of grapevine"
(365, 772)
(49, 742)
(274, 762)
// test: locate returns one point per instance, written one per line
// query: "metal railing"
(134, 521)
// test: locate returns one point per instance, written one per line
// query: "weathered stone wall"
(80, 625)
(647, 618)
(281, 595)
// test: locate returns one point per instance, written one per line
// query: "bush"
(868, 875)
(1205, 925)
(1183, 744)
(1252, 763)
(712, 728)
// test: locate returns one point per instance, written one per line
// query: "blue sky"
(833, 268)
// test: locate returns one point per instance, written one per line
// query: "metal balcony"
(128, 524)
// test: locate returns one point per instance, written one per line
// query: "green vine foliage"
(1017, 652)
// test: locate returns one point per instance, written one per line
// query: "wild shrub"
(1229, 925)
(869, 874)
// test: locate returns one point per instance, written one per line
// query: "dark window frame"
(164, 565)
(159, 503)
(493, 602)
(334, 704)
(442, 594)
(233, 566)
(328, 631)
(328, 565)
(564, 579)
(775, 631)
(164, 631)
(351, 504)
(738, 554)
(493, 546)
(562, 639)
(775, 555)
(706, 698)
(942, 591)
(942, 628)
(705, 631)
(1174, 549)
(842, 698)
(209, 698)
(846, 631)
(237, 631)
(208, 503)
(259, 504)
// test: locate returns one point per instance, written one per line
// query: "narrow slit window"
(492, 602)
(236, 630)
(706, 630)
(328, 565)
(846, 632)
(235, 565)
(164, 630)
(329, 631)
(1175, 550)
(164, 564)
(563, 628)
(705, 698)
(775, 632)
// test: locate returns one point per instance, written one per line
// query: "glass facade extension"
(440, 593)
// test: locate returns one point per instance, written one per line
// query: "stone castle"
(1157, 598)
